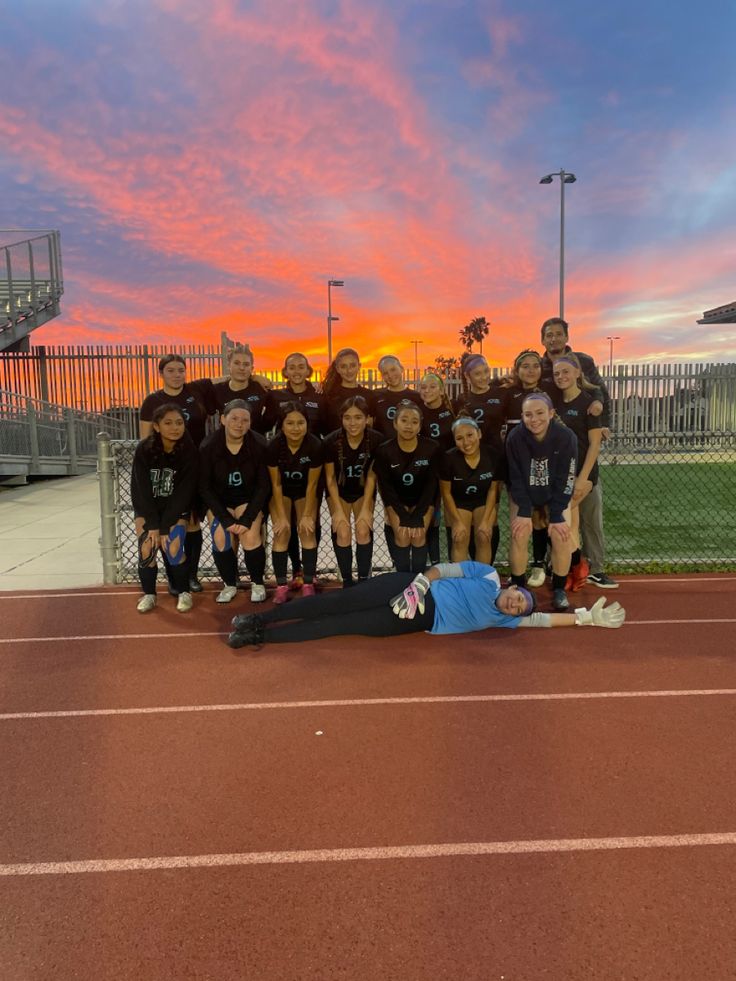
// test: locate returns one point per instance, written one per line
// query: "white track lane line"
(381, 853)
(133, 591)
(354, 702)
(224, 633)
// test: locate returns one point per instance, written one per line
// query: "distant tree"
(445, 367)
(474, 332)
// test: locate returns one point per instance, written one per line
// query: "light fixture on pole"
(565, 178)
(416, 357)
(330, 318)
(611, 338)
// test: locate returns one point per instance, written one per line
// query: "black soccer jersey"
(227, 480)
(196, 401)
(488, 410)
(163, 485)
(310, 400)
(576, 417)
(294, 467)
(407, 480)
(334, 401)
(469, 486)
(351, 464)
(253, 393)
(437, 424)
(383, 403)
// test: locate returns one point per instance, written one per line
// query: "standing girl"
(384, 400)
(197, 402)
(437, 412)
(574, 396)
(294, 459)
(163, 483)
(348, 453)
(235, 486)
(340, 383)
(241, 384)
(469, 481)
(403, 469)
(542, 461)
(297, 371)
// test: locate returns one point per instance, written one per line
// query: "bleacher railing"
(31, 282)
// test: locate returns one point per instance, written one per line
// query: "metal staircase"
(31, 283)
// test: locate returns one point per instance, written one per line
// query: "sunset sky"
(212, 163)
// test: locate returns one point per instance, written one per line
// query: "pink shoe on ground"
(281, 595)
(308, 589)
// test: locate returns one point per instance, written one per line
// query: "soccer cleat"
(579, 575)
(602, 581)
(184, 603)
(257, 593)
(281, 595)
(308, 589)
(227, 594)
(536, 576)
(146, 603)
(243, 620)
(247, 633)
(195, 586)
(297, 582)
(560, 601)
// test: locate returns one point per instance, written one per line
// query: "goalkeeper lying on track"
(450, 598)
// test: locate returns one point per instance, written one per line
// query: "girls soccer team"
(414, 448)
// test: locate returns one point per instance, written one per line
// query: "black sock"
(293, 549)
(147, 575)
(167, 569)
(433, 543)
(495, 539)
(193, 548)
(364, 558)
(180, 577)
(575, 559)
(280, 561)
(518, 580)
(418, 559)
(390, 542)
(539, 545)
(309, 558)
(402, 558)
(227, 565)
(558, 582)
(344, 555)
(255, 563)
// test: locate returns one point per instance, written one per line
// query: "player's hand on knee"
(600, 615)
(459, 533)
(406, 605)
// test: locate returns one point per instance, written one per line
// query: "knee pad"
(145, 562)
(176, 534)
(228, 537)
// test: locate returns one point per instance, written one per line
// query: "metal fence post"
(108, 526)
(33, 434)
(71, 441)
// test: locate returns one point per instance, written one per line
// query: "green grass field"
(664, 517)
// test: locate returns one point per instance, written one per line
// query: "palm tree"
(474, 332)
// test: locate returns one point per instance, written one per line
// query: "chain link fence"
(668, 507)
(120, 547)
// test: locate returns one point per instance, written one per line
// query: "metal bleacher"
(31, 283)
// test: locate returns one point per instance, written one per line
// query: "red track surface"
(242, 781)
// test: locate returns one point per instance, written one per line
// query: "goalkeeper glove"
(406, 605)
(600, 615)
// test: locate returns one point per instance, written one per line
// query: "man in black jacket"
(555, 337)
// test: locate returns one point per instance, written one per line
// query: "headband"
(530, 604)
(526, 354)
(477, 359)
(542, 396)
(465, 421)
(567, 361)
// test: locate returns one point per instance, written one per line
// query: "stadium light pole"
(611, 338)
(416, 357)
(565, 178)
(330, 318)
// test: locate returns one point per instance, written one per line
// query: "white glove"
(406, 605)
(600, 615)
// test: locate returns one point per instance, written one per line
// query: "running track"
(543, 804)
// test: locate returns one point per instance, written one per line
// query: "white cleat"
(536, 576)
(184, 602)
(146, 603)
(227, 595)
(257, 593)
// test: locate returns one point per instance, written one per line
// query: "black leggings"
(364, 610)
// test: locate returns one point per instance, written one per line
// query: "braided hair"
(332, 379)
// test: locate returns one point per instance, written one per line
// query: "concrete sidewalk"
(49, 532)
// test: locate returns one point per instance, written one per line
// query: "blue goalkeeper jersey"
(465, 604)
